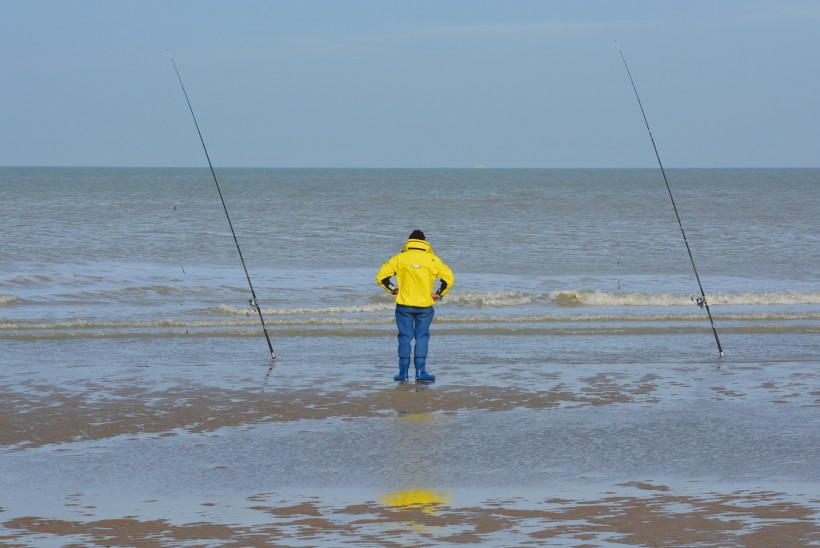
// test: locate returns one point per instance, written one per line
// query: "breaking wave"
(494, 298)
(515, 312)
(563, 298)
(600, 298)
(8, 300)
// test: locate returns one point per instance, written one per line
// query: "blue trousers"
(413, 323)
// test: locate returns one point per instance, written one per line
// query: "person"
(416, 269)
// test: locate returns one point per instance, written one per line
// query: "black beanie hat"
(417, 235)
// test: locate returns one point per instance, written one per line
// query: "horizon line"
(472, 168)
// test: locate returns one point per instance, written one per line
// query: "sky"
(423, 83)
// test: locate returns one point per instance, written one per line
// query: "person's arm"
(446, 277)
(388, 285)
(386, 272)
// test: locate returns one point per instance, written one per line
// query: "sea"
(578, 372)
(553, 259)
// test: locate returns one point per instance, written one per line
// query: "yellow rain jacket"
(416, 269)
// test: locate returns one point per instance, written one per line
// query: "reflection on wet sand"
(423, 499)
(415, 434)
(636, 513)
(37, 417)
(412, 501)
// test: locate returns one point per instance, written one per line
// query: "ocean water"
(568, 265)
(578, 381)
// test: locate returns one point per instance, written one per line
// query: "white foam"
(352, 309)
(8, 300)
(601, 298)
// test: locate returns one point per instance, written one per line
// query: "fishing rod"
(701, 301)
(253, 302)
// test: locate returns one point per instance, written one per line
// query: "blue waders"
(414, 323)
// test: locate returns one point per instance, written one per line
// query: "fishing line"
(701, 301)
(253, 302)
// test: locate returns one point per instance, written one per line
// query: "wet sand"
(34, 420)
(648, 518)
(634, 454)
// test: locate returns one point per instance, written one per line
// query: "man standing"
(416, 269)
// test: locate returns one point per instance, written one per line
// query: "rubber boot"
(421, 374)
(404, 368)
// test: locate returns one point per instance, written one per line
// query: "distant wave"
(8, 300)
(352, 309)
(27, 279)
(139, 291)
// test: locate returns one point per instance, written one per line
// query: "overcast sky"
(422, 83)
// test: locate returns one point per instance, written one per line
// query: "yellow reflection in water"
(409, 499)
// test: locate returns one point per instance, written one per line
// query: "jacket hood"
(418, 244)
